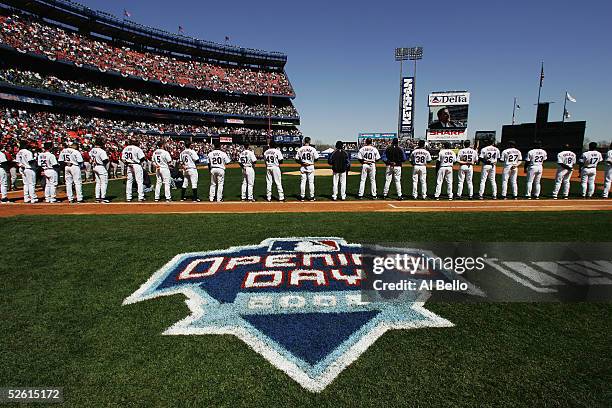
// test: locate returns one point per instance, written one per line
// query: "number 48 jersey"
(307, 155)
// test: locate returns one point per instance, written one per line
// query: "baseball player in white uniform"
(588, 169)
(608, 180)
(99, 163)
(488, 156)
(512, 158)
(217, 159)
(4, 170)
(273, 158)
(73, 162)
(419, 159)
(49, 165)
(368, 156)
(467, 158)
(189, 158)
(25, 160)
(565, 167)
(247, 161)
(446, 159)
(133, 157)
(162, 159)
(534, 166)
(306, 156)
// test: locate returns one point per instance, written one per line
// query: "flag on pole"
(126, 13)
(518, 106)
(566, 114)
(542, 75)
(227, 38)
(569, 97)
(181, 30)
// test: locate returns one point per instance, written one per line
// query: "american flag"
(126, 13)
(181, 29)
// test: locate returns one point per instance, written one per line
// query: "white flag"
(569, 97)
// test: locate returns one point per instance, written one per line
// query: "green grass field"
(323, 186)
(65, 277)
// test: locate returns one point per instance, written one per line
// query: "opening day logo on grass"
(296, 301)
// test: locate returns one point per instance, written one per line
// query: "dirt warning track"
(10, 210)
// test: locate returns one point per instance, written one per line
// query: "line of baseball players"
(133, 157)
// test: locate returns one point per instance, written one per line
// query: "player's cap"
(395, 141)
(592, 145)
(368, 141)
(421, 143)
(307, 140)
(466, 143)
(339, 145)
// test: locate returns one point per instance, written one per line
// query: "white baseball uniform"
(563, 174)
(189, 158)
(488, 154)
(247, 161)
(132, 156)
(447, 158)
(419, 159)
(3, 177)
(72, 172)
(307, 155)
(589, 159)
(512, 158)
(608, 179)
(23, 159)
(162, 159)
(273, 157)
(97, 156)
(217, 160)
(536, 159)
(469, 158)
(47, 161)
(369, 154)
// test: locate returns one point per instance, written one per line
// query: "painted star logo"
(296, 301)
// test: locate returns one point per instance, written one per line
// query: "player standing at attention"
(72, 160)
(25, 161)
(394, 157)
(133, 157)
(273, 158)
(189, 158)
(467, 158)
(608, 180)
(341, 163)
(368, 156)
(512, 158)
(488, 156)
(588, 169)
(419, 158)
(534, 167)
(306, 156)
(247, 161)
(565, 166)
(162, 159)
(4, 170)
(217, 159)
(99, 162)
(49, 165)
(446, 159)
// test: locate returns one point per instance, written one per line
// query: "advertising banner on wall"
(406, 124)
(448, 115)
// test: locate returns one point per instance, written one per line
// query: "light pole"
(401, 55)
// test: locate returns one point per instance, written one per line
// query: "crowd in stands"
(16, 125)
(27, 34)
(92, 90)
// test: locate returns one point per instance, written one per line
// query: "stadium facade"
(62, 59)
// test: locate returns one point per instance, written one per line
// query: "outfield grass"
(323, 186)
(65, 277)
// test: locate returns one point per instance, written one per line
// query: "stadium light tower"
(401, 55)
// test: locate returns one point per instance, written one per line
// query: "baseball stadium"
(179, 230)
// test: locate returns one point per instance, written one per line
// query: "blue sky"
(341, 55)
